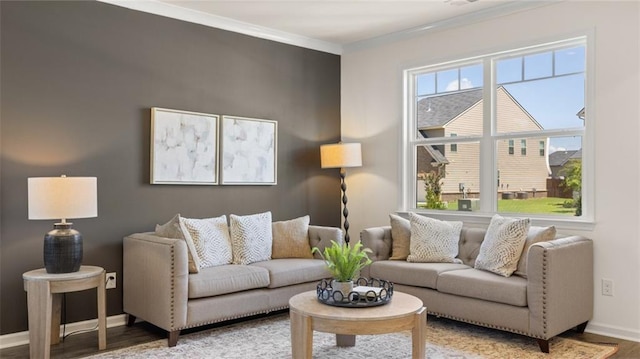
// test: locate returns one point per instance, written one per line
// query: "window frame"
(490, 137)
(523, 147)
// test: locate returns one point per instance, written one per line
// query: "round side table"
(44, 293)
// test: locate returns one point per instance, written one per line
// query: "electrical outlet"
(607, 287)
(111, 280)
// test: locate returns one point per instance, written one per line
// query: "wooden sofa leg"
(544, 345)
(131, 320)
(173, 337)
(581, 327)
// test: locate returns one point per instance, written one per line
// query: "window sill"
(480, 219)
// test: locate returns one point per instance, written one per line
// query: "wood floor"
(84, 344)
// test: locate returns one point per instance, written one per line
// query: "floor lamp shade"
(342, 155)
(62, 198)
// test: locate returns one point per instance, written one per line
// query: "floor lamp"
(342, 155)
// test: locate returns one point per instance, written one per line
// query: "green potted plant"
(344, 262)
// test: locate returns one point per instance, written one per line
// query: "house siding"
(517, 172)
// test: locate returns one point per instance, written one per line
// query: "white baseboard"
(613, 331)
(21, 338)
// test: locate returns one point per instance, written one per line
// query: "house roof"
(437, 111)
(560, 158)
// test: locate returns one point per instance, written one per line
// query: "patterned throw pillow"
(291, 239)
(502, 245)
(433, 240)
(535, 235)
(172, 229)
(251, 238)
(211, 239)
(401, 235)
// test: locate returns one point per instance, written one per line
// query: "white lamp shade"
(63, 197)
(340, 155)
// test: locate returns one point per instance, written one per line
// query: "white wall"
(372, 114)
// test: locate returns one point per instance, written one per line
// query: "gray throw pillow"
(172, 229)
(535, 235)
(401, 237)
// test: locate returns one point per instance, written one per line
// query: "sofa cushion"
(172, 229)
(210, 237)
(484, 285)
(226, 279)
(469, 246)
(291, 239)
(251, 237)
(535, 235)
(433, 240)
(401, 235)
(290, 271)
(414, 274)
(502, 245)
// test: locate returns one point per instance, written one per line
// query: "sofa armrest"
(321, 237)
(155, 279)
(378, 239)
(560, 285)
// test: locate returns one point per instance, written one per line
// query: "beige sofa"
(556, 295)
(158, 288)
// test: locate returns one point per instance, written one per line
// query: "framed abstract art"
(184, 147)
(249, 151)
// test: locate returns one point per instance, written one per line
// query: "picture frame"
(184, 147)
(249, 151)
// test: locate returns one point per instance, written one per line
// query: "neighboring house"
(559, 161)
(522, 163)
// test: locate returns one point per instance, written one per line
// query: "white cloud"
(553, 149)
(465, 83)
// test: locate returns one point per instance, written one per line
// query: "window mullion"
(487, 146)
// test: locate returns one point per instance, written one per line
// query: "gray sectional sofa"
(159, 289)
(556, 294)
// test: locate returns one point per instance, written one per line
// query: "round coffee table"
(404, 312)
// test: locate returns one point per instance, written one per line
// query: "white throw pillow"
(251, 238)
(535, 235)
(433, 241)
(291, 239)
(502, 245)
(211, 239)
(172, 229)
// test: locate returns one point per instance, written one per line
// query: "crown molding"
(224, 23)
(461, 20)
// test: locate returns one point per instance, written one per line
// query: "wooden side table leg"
(418, 333)
(102, 314)
(40, 311)
(301, 336)
(56, 313)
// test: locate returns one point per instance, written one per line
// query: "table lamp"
(342, 155)
(62, 197)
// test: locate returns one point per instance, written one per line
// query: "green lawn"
(549, 205)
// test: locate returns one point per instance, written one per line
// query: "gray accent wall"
(78, 80)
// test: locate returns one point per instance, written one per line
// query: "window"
(476, 107)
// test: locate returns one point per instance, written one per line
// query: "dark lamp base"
(62, 249)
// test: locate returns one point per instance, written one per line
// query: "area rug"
(269, 337)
